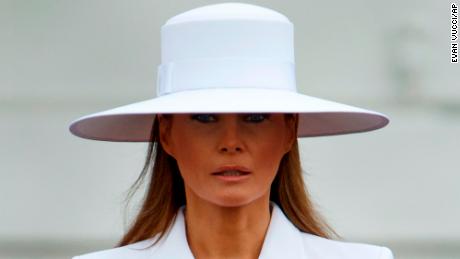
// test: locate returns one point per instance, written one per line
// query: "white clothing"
(282, 240)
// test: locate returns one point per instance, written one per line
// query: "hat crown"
(226, 45)
(228, 11)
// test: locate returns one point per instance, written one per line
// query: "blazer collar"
(282, 240)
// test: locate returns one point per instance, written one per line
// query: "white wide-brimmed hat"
(227, 58)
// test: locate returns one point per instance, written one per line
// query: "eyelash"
(199, 118)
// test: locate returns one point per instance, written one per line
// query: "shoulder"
(140, 250)
(319, 247)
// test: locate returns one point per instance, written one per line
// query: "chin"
(233, 200)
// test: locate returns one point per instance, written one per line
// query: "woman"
(226, 178)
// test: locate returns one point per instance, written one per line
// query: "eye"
(258, 117)
(205, 118)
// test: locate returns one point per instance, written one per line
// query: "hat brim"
(317, 117)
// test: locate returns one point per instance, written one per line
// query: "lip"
(232, 178)
(232, 167)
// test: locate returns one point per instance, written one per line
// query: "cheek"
(188, 157)
(191, 157)
(269, 152)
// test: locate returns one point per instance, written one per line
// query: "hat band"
(225, 73)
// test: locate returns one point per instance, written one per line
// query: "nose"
(230, 137)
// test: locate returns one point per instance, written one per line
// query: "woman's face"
(203, 143)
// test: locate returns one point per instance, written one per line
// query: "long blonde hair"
(165, 193)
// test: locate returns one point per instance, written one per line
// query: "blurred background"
(399, 187)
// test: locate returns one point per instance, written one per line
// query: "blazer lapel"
(283, 239)
(175, 245)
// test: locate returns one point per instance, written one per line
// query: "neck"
(227, 232)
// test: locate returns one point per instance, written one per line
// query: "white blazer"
(283, 240)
